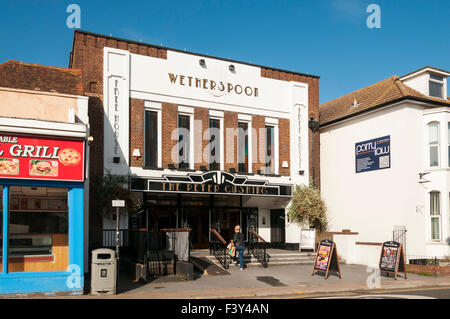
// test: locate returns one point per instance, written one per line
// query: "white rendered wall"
(419, 83)
(371, 203)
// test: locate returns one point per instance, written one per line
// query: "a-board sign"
(327, 258)
(308, 239)
(392, 258)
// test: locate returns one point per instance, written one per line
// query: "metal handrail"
(219, 249)
(257, 235)
(218, 236)
(259, 248)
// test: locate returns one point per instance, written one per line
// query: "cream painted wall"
(37, 105)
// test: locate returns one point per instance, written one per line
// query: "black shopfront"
(201, 202)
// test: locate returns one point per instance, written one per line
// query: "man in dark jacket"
(239, 244)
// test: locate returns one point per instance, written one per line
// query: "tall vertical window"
(214, 142)
(436, 86)
(184, 136)
(243, 161)
(433, 144)
(270, 149)
(435, 214)
(151, 139)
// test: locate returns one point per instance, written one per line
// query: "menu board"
(323, 255)
(389, 256)
(327, 258)
(392, 258)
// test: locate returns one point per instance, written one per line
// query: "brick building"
(207, 142)
(43, 185)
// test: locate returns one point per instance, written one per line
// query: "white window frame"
(218, 115)
(434, 216)
(429, 145)
(155, 107)
(442, 83)
(245, 118)
(188, 111)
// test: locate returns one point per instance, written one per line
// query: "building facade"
(207, 142)
(43, 206)
(385, 166)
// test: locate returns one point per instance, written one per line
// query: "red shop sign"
(41, 158)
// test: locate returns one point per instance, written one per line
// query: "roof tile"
(388, 90)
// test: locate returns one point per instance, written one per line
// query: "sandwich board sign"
(327, 258)
(392, 259)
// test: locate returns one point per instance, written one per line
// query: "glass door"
(249, 217)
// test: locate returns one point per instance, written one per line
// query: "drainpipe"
(313, 125)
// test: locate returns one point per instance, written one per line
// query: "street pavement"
(273, 282)
(293, 281)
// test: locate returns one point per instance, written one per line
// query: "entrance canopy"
(212, 182)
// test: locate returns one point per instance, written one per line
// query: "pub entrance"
(198, 221)
(200, 213)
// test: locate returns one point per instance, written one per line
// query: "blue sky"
(328, 38)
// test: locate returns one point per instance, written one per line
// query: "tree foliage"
(307, 206)
(105, 188)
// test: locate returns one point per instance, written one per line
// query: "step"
(271, 264)
(253, 262)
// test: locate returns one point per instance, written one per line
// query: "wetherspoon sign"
(27, 157)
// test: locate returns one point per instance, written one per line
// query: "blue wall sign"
(373, 154)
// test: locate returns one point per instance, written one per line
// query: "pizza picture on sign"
(69, 157)
(43, 168)
(9, 166)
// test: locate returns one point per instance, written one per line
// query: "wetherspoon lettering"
(212, 85)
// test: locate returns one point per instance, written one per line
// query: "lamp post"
(117, 203)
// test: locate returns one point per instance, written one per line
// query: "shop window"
(270, 149)
(435, 215)
(436, 86)
(433, 144)
(243, 162)
(1, 229)
(37, 229)
(151, 139)
(214, 143)
(184, 141)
